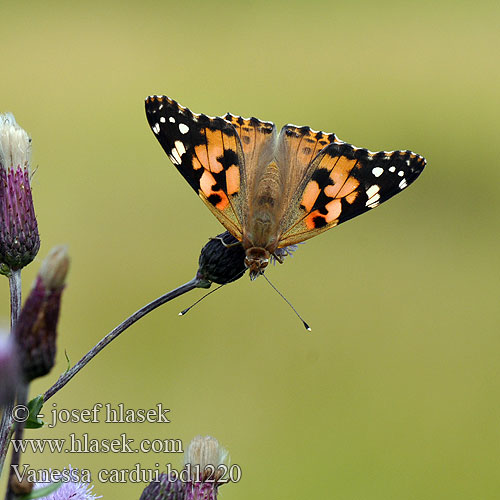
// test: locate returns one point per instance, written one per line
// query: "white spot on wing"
(172, 159)
(372, 200)
(162, 119)
(183, 128)
(180, 147)
(373, 195)
(401, 173)
(176, 156)
(377, 171)
(403, 183)
(171, 119)
(392, 169)
(372, 190)
(408, 162)
(156, 128)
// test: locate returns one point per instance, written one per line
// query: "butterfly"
(269, 189)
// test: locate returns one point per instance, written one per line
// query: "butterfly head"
(256, 260)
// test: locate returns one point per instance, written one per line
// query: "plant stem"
(15, 309)
(22, 399)
(15, 297)
(68, 375)
(5, 433)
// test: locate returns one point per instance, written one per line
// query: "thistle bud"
(222, 260)
(19, 239)
(165, 489)
(36, 330)
(20, 487)
(9, 370)
(204, 456)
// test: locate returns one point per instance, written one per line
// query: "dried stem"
(22, 399)
(67, 376)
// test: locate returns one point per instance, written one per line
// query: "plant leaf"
(34, 406)
(41, 492)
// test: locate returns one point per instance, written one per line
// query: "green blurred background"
(395, 393)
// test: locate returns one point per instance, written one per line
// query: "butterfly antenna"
(182, 313)
(307, 327)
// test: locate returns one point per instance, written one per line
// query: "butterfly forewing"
(343, 182)
(206, 151)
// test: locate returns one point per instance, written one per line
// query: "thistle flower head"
(15, 143)
(222, 260)
(36, 329)
(281, 253)
(164, 489)
(204, 455)
(70, 490)
(19, 238)
(9, 370)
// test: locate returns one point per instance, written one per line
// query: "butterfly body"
(273, 190)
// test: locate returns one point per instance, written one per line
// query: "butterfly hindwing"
(342, 182)
(297, 147)
(206, 151)
(258, 142)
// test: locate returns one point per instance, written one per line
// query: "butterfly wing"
(341, 182)
(258, 142)
(297, 147)
(208, 154)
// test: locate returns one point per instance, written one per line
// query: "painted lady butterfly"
(272, 190)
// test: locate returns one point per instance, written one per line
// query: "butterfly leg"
(278, 258)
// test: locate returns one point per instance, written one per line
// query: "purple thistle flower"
(9, 370)
(281, 253)
(74, 489)
(36, 330)
(19, 238)
(164, 489)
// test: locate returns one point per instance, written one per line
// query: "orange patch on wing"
(195, 163)
(233, 179)
(310, 223)
(201, 153)
(229, 141)
(352, 197)
(334, 208)
(317, 220)
(350, 185)
(207, 182)
(215, 149)
(311, 193)
(224, 202)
